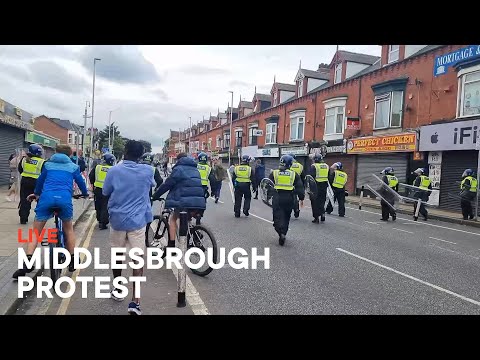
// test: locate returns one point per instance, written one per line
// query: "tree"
(146, 145)
(118, 142)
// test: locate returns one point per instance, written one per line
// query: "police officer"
(147, 159)
(338, 179)
(319, 171)
(243, 177)
(97, 178)
(298, 168)
(30, 168)
(288, 184)
(391, 180)
(424, 183)
(205, 172)
(468, 193)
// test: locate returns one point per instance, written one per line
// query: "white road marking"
(403, 230)
(261, 218)
(371, 222)
(422, 223)
(412, 278)
(450, 242)
(457, 252)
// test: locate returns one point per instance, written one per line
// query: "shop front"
(270, 158)
(452, 147)
(48, 143)
(13, 124)
(300, 152)
(375, 153)
(336, 151)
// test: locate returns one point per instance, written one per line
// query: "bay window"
(469, 92)
(297, 125)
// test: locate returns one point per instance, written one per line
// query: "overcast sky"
(154, 88)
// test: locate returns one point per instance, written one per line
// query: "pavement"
(355, 265)
(9, 226)
(433, 212)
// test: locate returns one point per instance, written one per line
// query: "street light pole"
(231, 127)
(87, 103)
(189, 137)
(93, 110)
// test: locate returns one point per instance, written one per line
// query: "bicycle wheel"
(157, 234)
(54, 273)
(202, 239)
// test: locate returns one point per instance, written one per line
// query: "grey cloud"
(240, 84)
(160, 93)
(202, 70)
(119, 63)
(16, 72)
(50, 74)
(35, 51)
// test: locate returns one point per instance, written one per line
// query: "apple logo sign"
(434, 138)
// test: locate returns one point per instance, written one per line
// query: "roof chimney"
(323, 68)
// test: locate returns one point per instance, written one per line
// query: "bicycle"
(197, 236)
(55, 273)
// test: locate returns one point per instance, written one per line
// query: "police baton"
(182, 276)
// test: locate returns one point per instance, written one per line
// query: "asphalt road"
(352, 265)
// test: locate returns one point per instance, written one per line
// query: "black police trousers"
(318, 202)
(338, 196)
(242, 191)
(27, 187)
(282, 206)
(387, 210)
(101, 206)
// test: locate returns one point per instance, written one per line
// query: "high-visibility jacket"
(473, 183)
(284, 180)
(243, 173)
(297, 167)
(204, 170)
(424, 182)
(340, 179)
(321, 173)
(392, 181)
(32, 167)
(100, 175)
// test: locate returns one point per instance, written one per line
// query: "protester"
(14, 160)
(129, 209)
(219, 174)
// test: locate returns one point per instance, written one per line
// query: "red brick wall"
(44, 124)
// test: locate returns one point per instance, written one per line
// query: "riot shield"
(330, 195)
(311, 186)
(267, 188)
(413, 194)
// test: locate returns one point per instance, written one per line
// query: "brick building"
(370, 112)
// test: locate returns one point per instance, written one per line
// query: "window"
(275, 98)
(296, 128)
(70, 138)
(256, 107)
(219, 140)
(300, 88)
(271, 134)
(393, 53)
(252, 140)
(334, 120)
(388, 110)
(338, 73)
(469, 93)
(209, 144)
(226, 141)
(238, 138)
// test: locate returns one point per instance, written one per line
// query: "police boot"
(246, 213)
(296, 214)
(315, 221)
(394, 217)
(237, 215)
(281, 239)
(322, 218)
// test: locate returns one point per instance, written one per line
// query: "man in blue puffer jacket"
(185, 191)
(54, 189)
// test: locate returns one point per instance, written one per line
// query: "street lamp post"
(110, 129)
(87, 104)
(231, 127)
(93, 111)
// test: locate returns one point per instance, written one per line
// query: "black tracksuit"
(318, 202)
(27, 187)
(387, 210)
(283, 203)
(242, 190)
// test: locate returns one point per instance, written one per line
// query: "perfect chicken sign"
(383, 144)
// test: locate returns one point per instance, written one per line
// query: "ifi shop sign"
(460, 135)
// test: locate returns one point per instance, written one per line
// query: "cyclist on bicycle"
(185, 191)
(54, 189)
